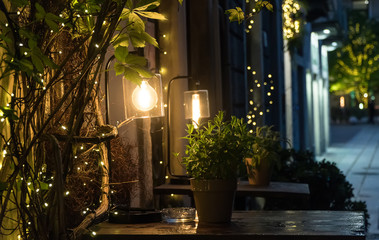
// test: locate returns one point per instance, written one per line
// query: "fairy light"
(248, 68)
(67, 193)
(254, 72)
(291, 26)
(166, 177)
(161, 162)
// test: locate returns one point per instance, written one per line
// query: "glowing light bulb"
(326, 31)
(196, 109)
(342, 101)
(144, 97)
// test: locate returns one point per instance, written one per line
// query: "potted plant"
(262, 154)
(215, 154)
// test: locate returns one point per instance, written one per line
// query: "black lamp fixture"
(196, 106)
(140, 101)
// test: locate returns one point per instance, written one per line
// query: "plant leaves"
(9, 113)
(132, 75)
(37, 62)
(53, 26)
(132, 59)
(121, 53)
(136, 23)
(142, 71)
(118, 68)
(147, 6)
(149, 39)
(151, 15)
(121, 40)
(235, 14)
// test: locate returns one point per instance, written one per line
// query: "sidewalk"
(355, 151)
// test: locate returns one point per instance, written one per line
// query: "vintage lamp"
(196, 106)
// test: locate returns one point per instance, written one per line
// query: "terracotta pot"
(261, 176)
(214, 199)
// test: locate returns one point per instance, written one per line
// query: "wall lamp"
(196, 106)
(140, 101)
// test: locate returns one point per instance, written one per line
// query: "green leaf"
(132, 59)
(121, 40)
(118, 68)
(121, 53)
(235, 14)
(44, 186)
(53, 26)
(32, 43)
(20, 3)
(148, 6)
(9, 113)
(132, 75)
(136, 23)
(40, 9)
(49, 62)
(269, 6)
(149, 39)
(53, 17)
(151, 15)
(142, 71)
(37, 62)
(26, 63)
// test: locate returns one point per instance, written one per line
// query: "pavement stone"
(355, 150)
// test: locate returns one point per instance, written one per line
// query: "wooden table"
(262, 225)
(275, 189)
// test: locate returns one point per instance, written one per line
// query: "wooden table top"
(275, 189)
(264, 225)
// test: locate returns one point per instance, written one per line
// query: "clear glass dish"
(178, 215)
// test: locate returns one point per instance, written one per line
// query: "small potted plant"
(263, 150)
(215, 155)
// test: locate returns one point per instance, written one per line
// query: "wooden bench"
(248, 225)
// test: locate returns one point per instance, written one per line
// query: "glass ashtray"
(178, 215)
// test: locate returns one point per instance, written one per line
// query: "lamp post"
(196, 106)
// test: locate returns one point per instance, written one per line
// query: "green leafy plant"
(216, 150)
(264, 145)
(238, 15)
(329, 189)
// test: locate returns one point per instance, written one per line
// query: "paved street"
(355, 150)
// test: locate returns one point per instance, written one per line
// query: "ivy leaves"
(133, 67)
(130, 65)
(237, 14)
